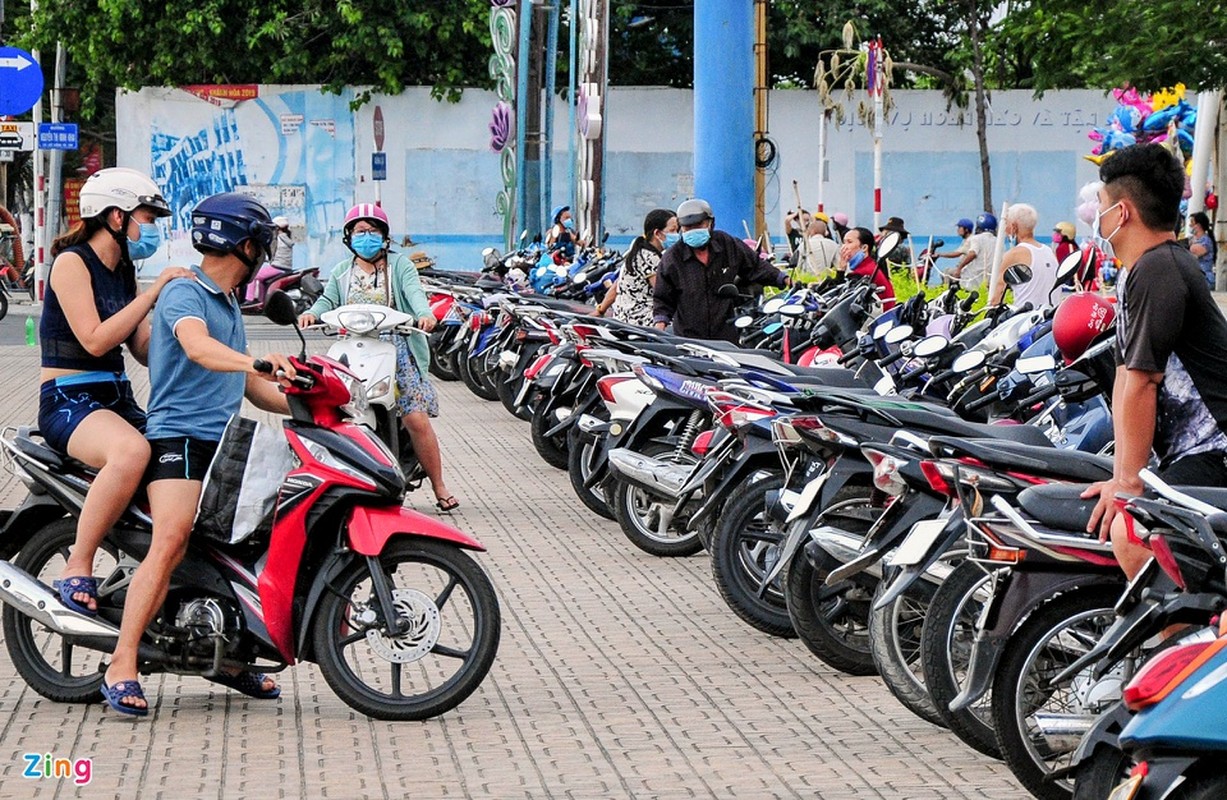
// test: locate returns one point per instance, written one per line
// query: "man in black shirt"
(1170, 393)
(692, 270)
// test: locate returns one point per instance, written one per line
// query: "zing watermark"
(45, 765)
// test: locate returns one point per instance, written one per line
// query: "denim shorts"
(63, 403)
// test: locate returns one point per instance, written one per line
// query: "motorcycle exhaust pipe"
(37, 601)
(1062, 732)
(656, 476)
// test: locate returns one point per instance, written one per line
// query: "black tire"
(945, 647)
(595, 499)
(835, 627)
(634, 509)
(4, 304)
(508, 387)
(52, 667)
(894, 641)
(469, 602)
(1102, 772)
(744, 548)
(444, 366)
(468, 374)
(1036, 651)
(1211, 787)
(551, 448)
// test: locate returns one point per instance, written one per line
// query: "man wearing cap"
(823, 251)
(901, 254)
(283, 246)
(693, 270)
(964, 227)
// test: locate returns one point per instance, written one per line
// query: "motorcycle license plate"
(1127, 790)
(917, 544)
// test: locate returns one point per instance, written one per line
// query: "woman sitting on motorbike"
(374, 275)
(86, 408)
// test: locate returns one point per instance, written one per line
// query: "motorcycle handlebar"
(987, 400)
(1039, 396)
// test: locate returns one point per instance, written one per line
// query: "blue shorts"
(63, 403)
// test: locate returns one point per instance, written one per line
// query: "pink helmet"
(369, 212)
(840, 218)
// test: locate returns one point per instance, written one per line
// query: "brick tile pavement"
(619, 675)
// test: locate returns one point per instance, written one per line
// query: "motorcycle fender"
(908, 575)
(889, 531)
(20, 523)
(327, 573)
(370, 528)
(1023, 593)
(740, 473)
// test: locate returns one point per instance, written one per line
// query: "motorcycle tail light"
(1163, 554)
(605, 385)
(783, 434)
(732, 411)
(537, 366)
(813, 425)
(702, 443)
(940, 476)
(586, 332)
(1164, 672)
(886, 471)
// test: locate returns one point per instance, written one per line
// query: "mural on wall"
(291, 148)
(502, 122)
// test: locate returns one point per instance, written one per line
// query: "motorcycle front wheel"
(450, 625)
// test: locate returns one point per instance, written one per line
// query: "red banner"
(224, 94)
(72, 200)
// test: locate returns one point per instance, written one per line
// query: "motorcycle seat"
(37, 449)
(1049, 460)
(943, 419)
(1057, 505)
(829, 376)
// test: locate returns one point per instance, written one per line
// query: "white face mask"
(1095, 225)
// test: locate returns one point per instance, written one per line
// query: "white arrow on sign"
(19, 63)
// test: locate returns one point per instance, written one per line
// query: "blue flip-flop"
(75, 585)
(116, 692)
(249, 683)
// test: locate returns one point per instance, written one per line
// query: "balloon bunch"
(1164, 116)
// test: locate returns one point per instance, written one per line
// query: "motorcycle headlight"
(359, 321)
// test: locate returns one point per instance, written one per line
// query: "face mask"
(147, 245)
(367, 245)
(672, 239)
(1107, 240)
(697, 238)
(856, 259)
(569, 224)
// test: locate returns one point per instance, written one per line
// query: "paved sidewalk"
(619, 675)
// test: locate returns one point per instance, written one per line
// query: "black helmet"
(694, 211)
(224, 221)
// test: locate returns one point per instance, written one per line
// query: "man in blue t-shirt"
(199, 372)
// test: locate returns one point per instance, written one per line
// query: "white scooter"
(373, 360)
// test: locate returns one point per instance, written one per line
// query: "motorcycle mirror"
(882, 328)
(605, 237)
(898, 334)
(773, 327)
(1033, 364)
(279, 309)
(743, 322)
(792, 310)
(487, 252)
(1069, 267)
(889, 242)
(728, 292)
(580, 279)
(523, 235)
(1017, 274)
(773, 305)
(969, 361)
(930, 346)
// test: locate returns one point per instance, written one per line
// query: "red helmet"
(369, 212)
(1079, 319)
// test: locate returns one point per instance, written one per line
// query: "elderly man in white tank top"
(1020, 222)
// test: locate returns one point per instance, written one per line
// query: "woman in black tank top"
(86, 407)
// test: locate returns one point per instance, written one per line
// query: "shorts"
(65, 402)
(179, 459)
(1199, 469)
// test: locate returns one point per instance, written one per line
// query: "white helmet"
(122, 188)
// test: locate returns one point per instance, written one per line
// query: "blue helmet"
(557, 212)
(965, 223)
(224, 221)
(986, 222)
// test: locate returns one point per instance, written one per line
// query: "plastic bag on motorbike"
(240, 489)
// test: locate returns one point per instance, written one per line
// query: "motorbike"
(302, 286)
(402, 622)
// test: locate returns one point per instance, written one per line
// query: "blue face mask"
(367, 245)
(569, 224)
(672, 239)
(147, 245)
(856, 259)
(697, 238)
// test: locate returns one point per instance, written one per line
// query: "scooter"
(302, 286)
(403, 624)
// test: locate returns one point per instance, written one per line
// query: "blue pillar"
(724, 110)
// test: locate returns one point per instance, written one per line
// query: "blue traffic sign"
(21, 81)
(58, 136)
(379, 166)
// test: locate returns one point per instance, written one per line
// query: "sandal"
(249, 683)
(447, 504)
(81, 584)
(115, 694)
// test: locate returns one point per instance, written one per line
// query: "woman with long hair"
(630, 297)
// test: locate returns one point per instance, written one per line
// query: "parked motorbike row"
(901, 491)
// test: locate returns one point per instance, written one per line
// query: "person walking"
(1201, 244)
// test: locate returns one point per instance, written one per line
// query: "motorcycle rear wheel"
(551, 448)
(4, 304)
(894, 639)
(579, 451)
(637, 512)
(468, 373)
(451, 614)
(444, 366)
(48, 662)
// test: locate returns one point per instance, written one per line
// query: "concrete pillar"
(724, 110)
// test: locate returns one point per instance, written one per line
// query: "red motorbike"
(403, 623)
